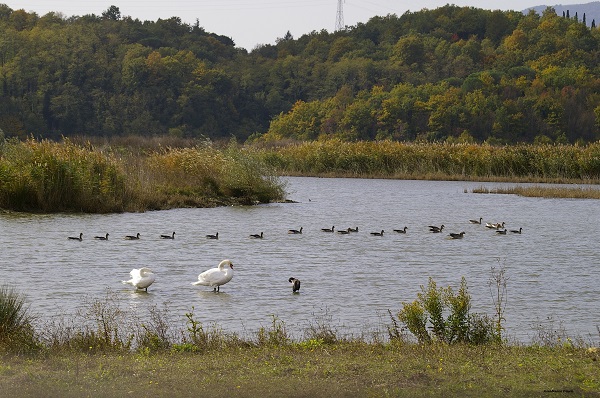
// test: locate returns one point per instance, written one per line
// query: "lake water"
(349, 281)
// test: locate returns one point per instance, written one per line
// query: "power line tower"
(339, 21)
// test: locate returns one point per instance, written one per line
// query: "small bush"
(440, 314)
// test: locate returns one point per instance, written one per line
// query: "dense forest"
(453, 74)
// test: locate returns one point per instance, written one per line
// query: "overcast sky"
(253, 22)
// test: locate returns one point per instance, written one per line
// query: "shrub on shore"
(45, 176)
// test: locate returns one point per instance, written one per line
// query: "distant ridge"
(591, 11)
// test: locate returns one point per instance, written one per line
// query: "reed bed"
(390, 159)
(45, 176)
(545, 192)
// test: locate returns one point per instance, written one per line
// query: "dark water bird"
(141, 278)
(454, 235)
(295, 231)
(353, 229)
(378, 233)
(516, 231)
(401, 231)
(475, 221)
(215, 277)
(343, 231)
(434, 229)
(168, 236)
(215, 236)
(295, 284)
(328, 229)
(257, 236)
(80, 238)
(501, 232)
(133, 237)
(101, 237)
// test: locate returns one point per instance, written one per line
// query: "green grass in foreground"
(341, 369)
(546, 192)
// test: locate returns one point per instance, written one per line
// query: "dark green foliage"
(440, 314)
(110, 75)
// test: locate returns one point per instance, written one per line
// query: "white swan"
(141, 278)
(215, 277)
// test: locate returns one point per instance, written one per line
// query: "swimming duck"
(516, 231)
(257, 236)
(215, 236)
(215, 277)
(80, 238)
(101, 237)
(433, 228)
(455, 235)
(475, 221)
(501, 232)
(494, 225)
(401, 231)
(168, 236)
(328, 229)
(343, 231)
(353, 229)
(295, 231)
(141, 278)
(378, 233)
(295, 285)
(133, 237)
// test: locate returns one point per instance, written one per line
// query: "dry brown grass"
(546, 192)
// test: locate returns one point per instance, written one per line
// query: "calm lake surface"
(348, 281)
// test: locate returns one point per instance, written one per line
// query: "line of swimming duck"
(499, 227)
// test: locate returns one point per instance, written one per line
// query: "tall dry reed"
(436, 160)
(47, 176)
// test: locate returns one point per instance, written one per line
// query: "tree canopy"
(448, 74)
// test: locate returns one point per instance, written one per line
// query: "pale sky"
(253, 22)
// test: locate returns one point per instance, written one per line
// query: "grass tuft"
(16, 331)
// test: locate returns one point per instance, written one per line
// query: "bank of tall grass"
(46, 176)
(522, 162)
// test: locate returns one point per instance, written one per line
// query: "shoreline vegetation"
(104, 350)
(140, 174)
(544, 192)
(46, 176)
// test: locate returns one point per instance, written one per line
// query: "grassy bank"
(387, 159)
(104, 350)
(47, 176)
(343, 369)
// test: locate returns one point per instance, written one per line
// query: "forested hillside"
(449, 74)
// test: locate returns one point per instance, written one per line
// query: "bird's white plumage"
(216, 277)
(141, 278)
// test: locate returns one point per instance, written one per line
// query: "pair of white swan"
(142, 278)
